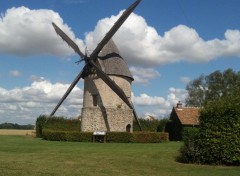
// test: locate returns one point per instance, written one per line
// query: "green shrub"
(121, 137)
(117, 137)
(218, 138)
(162, 125)
(219, 132)
(189, 149)
(149, 137)
(74, 136)
(39, 125)
(56, 124)
(147, 125)
(63, 124)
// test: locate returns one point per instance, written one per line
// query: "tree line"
(16, 126)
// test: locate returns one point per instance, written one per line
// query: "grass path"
(25, 155)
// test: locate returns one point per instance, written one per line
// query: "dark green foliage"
(120, 137)
(57, 124)
(147, 125)
(189, 133)
(162, 125)
(62, 124)
(16, 126)
(188, 150)
(218, 139)
(149, 137)
(114, 137)
(212, 87)
(62, 129)
(74, 136)
(219, 135)
(39, 125)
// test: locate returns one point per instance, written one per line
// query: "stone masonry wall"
(110, 113)
(93, 119)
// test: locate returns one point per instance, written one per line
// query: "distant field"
(25, 155)
(16, 132)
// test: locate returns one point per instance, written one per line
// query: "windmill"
(107, 84)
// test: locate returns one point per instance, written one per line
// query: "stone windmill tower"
(107, 102)
(103, 109)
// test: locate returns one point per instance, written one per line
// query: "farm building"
(181, 117)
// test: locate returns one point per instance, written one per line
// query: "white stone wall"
(111, 113)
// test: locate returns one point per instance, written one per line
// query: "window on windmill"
(95, 99)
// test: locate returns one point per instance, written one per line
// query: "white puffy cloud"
(27, 103)
(146, 100)
(24, 105)
(158, 106)
(27, 32)
(143, 75)
(140, 44)
(24, 32)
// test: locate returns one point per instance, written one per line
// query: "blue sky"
(166, 43)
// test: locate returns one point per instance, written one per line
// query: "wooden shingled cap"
(111, 61)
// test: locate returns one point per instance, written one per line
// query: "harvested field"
(17, 132)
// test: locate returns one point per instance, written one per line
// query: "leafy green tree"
(212, 87)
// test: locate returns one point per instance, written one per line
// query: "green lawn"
(25, 155)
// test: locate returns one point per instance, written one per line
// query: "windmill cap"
(111, 61)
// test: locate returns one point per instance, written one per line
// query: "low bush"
(74, 136)
(114, 137)
(189, 149)
(121, 137)
(56, 124)
(63, 124)
(39, 125)
(149, 137)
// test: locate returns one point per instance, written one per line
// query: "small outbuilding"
(181, 117)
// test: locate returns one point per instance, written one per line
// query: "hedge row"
(114, 137)
(74, 136)
(56, 124)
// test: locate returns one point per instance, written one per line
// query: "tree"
(212, 87)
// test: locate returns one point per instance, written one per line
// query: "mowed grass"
(25, 155)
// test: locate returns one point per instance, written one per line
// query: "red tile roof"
(188, 115)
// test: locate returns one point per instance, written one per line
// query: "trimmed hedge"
(74, 136)
(62, 124)
(114, 137)
(149, 137)
(39, 125)
(121, 137)
(56, 124)
(63, 129)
